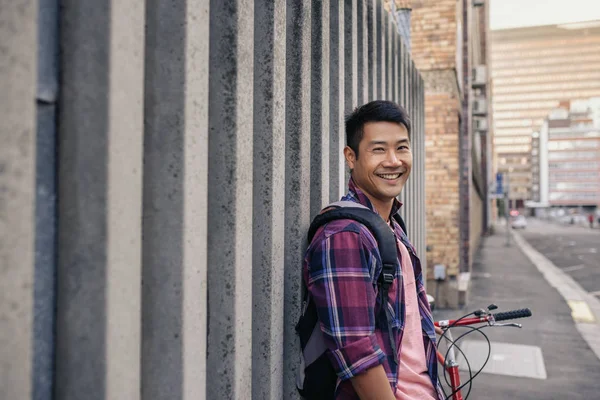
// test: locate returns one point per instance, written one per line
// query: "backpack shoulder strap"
(386, 241)
(400, 222)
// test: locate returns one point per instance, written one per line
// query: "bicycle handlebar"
(491, 318)
(514, 314)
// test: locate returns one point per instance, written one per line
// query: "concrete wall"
(196, 140)
(18, 57)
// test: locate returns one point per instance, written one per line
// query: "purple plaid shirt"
(341, 269)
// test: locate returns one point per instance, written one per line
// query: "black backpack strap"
(400, 222)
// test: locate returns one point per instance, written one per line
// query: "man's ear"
(350, 157)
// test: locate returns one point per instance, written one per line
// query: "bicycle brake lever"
(508, 324)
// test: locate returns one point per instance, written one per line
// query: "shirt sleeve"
(340, 270)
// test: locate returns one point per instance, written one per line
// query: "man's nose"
(392, 159)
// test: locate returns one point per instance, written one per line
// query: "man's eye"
(403, 148)
(378, 150)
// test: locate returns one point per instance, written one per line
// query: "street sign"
(499, 183)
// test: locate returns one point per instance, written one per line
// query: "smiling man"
(342, 266)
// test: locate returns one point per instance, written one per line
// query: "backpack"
(316, 379)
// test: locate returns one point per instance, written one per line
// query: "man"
(342, 265)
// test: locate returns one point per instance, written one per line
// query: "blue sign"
(499, 183)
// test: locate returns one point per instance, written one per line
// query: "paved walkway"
(506, 276)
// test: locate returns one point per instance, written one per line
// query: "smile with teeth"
(390, 176)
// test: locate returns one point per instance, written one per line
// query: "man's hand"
(439, 330)
(373, 385)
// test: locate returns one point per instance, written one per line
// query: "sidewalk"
(506, 277)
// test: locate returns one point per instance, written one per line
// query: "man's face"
(384, 160)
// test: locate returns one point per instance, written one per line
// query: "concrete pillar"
(382, 41)
(174, 289)
(100, 183)
(377, 40)
(18, 62)
(362, 52)
(319, 115)
(230, 194)
(372, 47)
(349, 56)
(297, 177)
(268, 200)
(336, 101)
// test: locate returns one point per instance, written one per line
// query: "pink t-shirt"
(413, 380)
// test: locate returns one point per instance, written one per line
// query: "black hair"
(375, 111)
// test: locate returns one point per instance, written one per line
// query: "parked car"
(519, 222)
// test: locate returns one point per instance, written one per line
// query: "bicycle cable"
(453, 344)
(443, 336)
(471, 377)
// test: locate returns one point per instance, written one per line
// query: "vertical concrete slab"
(389, 32)
(297, 177)
(382, 48)
(174, 289)
(377, 54)
(394, 54)
(350, 63)
(361, 67)
(230, 193)
(363, 33)
(336, 101)
(350, 59)
(100, 176)
(319, 113)
(268, 199)
(18, 63)
(402, 57)
(372, 48)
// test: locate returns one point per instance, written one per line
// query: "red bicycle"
(448, 361)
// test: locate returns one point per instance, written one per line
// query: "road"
(574, 249)
(504, 275)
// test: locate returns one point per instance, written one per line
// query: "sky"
(506, 14)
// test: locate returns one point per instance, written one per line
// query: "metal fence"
(152, 231)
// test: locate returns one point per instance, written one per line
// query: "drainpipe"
(465, 145)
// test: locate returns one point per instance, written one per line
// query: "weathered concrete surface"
(230, 194)
(297, 172)
(196, 140)
(100, 181)
(18, 61)
(175, 201)
(268, 199)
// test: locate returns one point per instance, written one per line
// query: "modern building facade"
(568, 155)
(533, 70)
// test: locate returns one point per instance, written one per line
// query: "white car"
(519, 222)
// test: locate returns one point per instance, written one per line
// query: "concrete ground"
(506, 276)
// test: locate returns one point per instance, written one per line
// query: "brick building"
(452, 55)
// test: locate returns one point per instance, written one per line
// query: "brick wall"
(434, 34)
(441, 184)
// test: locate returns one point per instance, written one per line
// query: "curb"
(585, 307)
